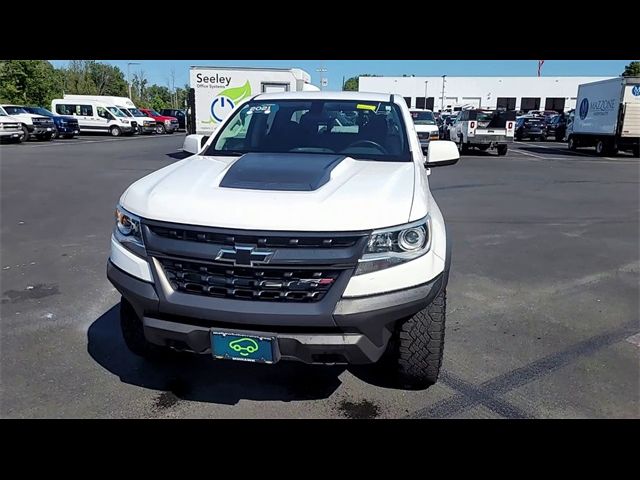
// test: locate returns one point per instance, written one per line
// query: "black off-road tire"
(419, 345)
(25, 137)
(133, 334)
(502, 150)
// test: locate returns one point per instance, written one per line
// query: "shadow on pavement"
(202, 379)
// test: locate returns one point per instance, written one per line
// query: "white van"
(94, 116)
(141, 122)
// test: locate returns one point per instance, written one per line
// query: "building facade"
(512, 93)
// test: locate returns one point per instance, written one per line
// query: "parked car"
(530, 127)
(179, 114)
(484, 129)
(164, 123)
(66, 126)
(426, 127)
(10, 128)
(38, 126)
(335, 252)
(94, 116)
(556, 127)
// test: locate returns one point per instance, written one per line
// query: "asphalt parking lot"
(542, 313)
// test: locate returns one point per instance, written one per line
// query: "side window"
(102, 112)
(85, 110)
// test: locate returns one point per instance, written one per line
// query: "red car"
(164, 124)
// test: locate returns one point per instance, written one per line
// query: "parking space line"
(497, 386)
(533, 155)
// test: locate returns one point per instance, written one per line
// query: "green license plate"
(247, 348)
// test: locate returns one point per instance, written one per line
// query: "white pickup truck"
(38, 126)
(483, 129)
(291, 236)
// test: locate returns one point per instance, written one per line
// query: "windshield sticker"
(362, 106)
(266, 109)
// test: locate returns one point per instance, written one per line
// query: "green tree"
(632, 70)
(158, 97)
(88, 77)
(29, 82)
(352, 84)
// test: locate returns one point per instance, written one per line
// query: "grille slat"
(272, 241)
(246, 283)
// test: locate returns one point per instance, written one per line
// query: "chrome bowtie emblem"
(244, 255)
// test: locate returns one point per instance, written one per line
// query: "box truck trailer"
(216, 91)
(607, 116)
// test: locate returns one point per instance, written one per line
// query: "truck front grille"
(268, 240)
(248, 283)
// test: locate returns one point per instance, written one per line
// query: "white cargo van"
(218, 90)
(607, 116)
(140, 122)
(94, 116)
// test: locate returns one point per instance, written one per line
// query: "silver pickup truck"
(483, 129)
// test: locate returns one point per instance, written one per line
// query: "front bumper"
(11, 133)
(170, 127)
(73, 129)
(151, 128)
(361, 327)
(41, 130)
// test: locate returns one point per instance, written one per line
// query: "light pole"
(443, 80)
(426, 83)
(129, 75)
(321, 70)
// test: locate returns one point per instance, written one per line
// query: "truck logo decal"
(244, 255)
(584, 108)
(636, 90)
(226, 101)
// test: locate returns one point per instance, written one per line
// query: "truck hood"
(426, 128)
(308, 194)
(28, 117)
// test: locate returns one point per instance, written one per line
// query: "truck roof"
(308, 95)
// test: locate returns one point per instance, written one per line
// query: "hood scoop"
(301, 172)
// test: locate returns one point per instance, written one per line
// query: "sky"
(158, 71)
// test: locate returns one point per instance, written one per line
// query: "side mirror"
(442, 153)
(193, 143)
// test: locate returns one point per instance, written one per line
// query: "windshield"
(40, 111)
(154, 113)
(116, 111)
(359, 129)
(15, 110)
(423, 118)
(125, 111)
(136, 112)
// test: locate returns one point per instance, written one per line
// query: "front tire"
(133, 334)
(419, 345)
(115, 131)
(572, 144)
(160, 129)
(601, 148)
(26, 135)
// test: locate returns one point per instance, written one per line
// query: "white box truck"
(607, 116)
(218, 90)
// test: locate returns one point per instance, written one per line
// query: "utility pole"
(426, 84)
(129, 75)
(321, 70)
(443, 80)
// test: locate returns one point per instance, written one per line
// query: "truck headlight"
(127, 231)
(392, 246)
(167, 122)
